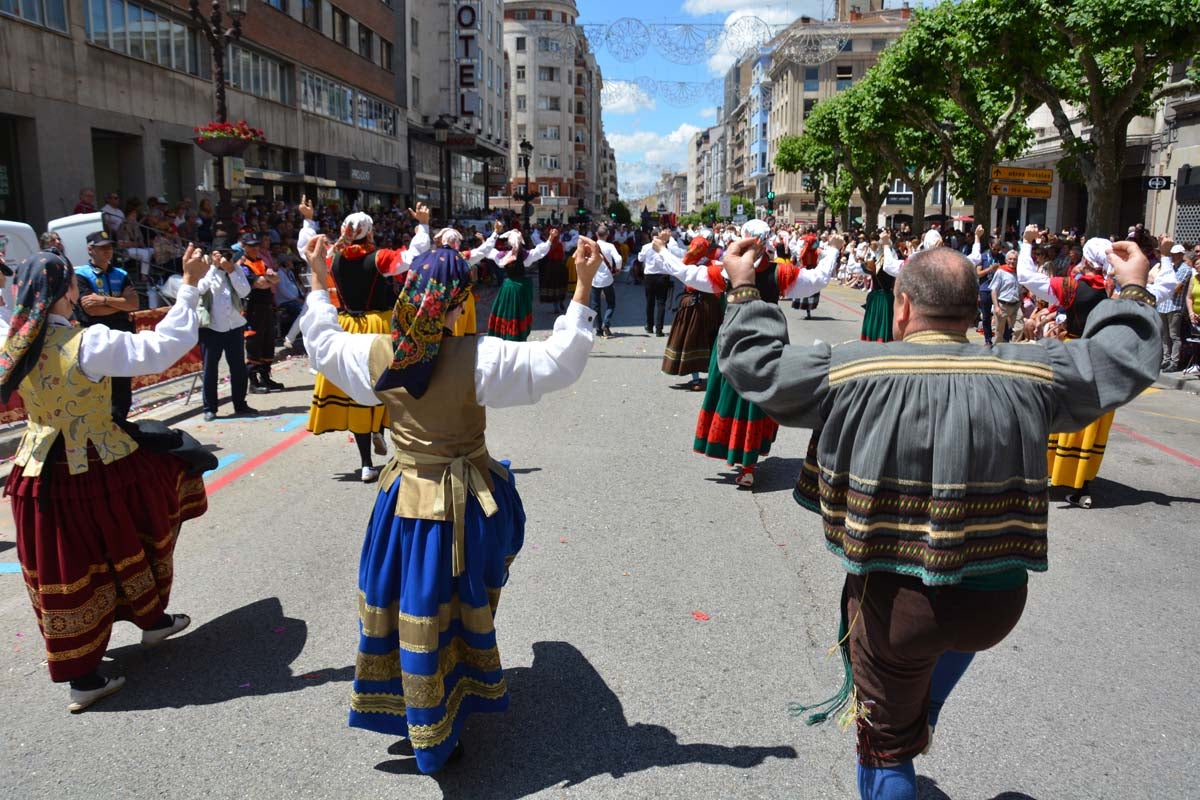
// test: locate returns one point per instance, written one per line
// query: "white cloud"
(720, 61)
(642, 156)
(625, 97)
(709, 113)
(703, 7)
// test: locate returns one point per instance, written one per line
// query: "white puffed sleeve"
(344, 358)
(519, 373)
(120, 354)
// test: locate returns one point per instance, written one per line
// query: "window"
(521, 131)
(878, 44)
(341, 27)
(259, 75)
(385, 55)
(520, 44)
(848, 46)
(414, 32)
(51, 13)
(809, 105)
(490, 70)
(548, 162)
(812, 79)
(521, 72)
(416, 91)
(326, 97)
(141, 33)
(310, 12)
(546, 190)
(521, 102)
(548, 132)
(547, 73)
(282, 5)
(900, 187)
(549, 103)
(845, 76)
(548, 45)
(376, 115)
(366, 42)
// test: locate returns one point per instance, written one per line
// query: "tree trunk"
(1103, 179)
(982, 198)
(920, 192)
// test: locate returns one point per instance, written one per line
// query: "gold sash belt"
(460, 476)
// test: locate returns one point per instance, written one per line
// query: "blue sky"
(646, 132)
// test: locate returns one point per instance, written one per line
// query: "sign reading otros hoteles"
(466, 57)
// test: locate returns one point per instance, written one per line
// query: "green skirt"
(512, 310)
(877, 324)
(731, 427)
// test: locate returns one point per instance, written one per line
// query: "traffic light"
(613, 214)
(770, 201)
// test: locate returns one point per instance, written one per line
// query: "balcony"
(580, 119)
(580, 147)
(580, 175)
(580, 91)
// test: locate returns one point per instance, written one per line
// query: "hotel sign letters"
(466, 56)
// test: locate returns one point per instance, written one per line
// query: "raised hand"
(1032, 233)
(421, 214)
(587, 263)
(1130, 265)
(195, 265)
(315, 253)
(739, 260)
(306, 207)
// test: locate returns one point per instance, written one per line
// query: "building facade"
(118, 86)
(457, 102)
(556, 86)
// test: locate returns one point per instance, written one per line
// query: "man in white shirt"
(113, 217)
(603, 290)
(658, 281)
(1006, 296)
(222, 294)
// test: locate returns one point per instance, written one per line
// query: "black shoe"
(608, 332)
(244, 411)
(648, 329)
(273, 386)
(209, 416)
(659, 333)
(259, 388)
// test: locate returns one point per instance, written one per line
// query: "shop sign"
(466, 57)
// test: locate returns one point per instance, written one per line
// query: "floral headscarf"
(438, 282)
(41, 280)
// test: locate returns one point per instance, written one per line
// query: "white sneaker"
(178, 623)
(1192, 370)
(745, 478)
(380, 444)
(81, 699)
(370, 474)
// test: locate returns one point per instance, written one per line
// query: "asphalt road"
(618, 689)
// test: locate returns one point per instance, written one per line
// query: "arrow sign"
(1038, 190)
(1022, 174)
(1156, 183)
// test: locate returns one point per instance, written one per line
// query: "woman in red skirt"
(96, 514)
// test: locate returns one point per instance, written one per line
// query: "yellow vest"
(61, 401)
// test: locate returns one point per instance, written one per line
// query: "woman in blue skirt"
(448, 520)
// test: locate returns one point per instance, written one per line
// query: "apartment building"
(707, 171)
(790, 90)
(106, 93)
(457, 102)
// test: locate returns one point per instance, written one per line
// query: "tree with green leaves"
(818, 165)
(709, 213)
(619, 212)
(1102, 62)
(946, 78)
(833, 124)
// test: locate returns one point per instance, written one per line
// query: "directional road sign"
(1039, 190)
(1156, 183)
(1022, 174)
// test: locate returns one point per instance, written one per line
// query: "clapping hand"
(740, 258)
(195, 265)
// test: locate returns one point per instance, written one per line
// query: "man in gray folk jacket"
(936, 511)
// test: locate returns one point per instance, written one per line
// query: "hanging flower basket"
(227, 138)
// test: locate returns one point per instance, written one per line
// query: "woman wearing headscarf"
(696, 323)
(729, 426)
(512, 310)
(363, 294)
(96, 514)
(1074, 457)
(883, 266)
(447, 520)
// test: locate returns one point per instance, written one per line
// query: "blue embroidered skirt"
(427, 656)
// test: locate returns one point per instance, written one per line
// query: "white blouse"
(1038, 282)
(119, 354)
(420, 243)
(506, 373)
(808, 282)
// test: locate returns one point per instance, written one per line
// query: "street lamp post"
(219, 38)
(525, 196)
(441, 131)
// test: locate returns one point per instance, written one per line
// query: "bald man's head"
(941, 284)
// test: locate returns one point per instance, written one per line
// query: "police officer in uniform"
(107, 297)
(260, 316)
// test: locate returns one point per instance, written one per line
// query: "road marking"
(224, 461)
(296, 421)
(1184, 457)
(262, 458)
(851, 309)
(10, 569)
(1150, 391)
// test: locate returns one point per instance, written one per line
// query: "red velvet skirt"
(99, 548)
